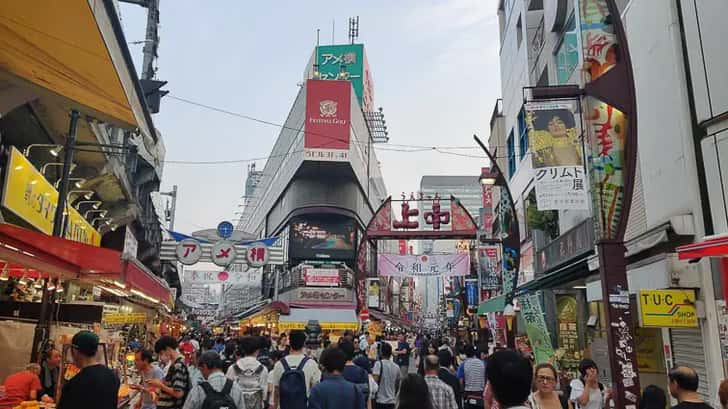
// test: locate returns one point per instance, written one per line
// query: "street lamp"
(87, 194)
(101, 212)
(44, 167)
(487, 177)
(78, 182)
(95, 206)
(54, 149)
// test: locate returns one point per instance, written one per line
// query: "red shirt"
(19, 385)
(186, 348)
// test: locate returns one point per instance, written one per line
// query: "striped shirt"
(178, 378)
(441, 393)
(472, 372)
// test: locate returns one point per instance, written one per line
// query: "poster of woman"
(553, 135)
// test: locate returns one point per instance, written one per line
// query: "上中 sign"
(668, 308)
(447, 265)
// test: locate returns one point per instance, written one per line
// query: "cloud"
(451, 15)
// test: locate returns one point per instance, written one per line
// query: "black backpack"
(218, 400)
(292, 386)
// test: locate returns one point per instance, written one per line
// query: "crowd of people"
(292, 371)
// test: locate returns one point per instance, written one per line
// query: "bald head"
(432, 364)
(684, 378)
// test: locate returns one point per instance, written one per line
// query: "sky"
(434, 65)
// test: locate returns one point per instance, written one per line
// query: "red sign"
(321, 277)
(403, 247)
(364, 314)
(328, 115)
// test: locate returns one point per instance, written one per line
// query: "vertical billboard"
(557, 156)
(373, 290)
(328, 120)
(351, 60)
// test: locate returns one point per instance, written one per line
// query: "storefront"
(94, 288)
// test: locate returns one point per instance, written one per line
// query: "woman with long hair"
(545, 395)
(414, 394)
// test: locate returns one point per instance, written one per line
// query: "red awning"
(712, 247)
(32, 254)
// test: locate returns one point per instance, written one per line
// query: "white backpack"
(249, 382)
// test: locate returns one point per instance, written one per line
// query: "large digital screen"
(323, 237)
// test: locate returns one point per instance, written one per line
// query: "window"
(519, 32)
(523, 134)
(511, 155)
(567, 53)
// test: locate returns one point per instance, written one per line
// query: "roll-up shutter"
(687, 350)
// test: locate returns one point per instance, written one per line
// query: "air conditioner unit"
(682, 273)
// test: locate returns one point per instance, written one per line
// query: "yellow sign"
(324, 325)
(30, 196)
(668, 308)
(122, 318)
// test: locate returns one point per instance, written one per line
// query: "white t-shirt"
(596, 399)
(311, 371)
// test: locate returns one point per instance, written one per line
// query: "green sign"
(351, 60)
(567, 57)
(538, 333)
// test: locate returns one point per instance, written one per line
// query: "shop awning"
(329, 319)
(710, 247)
(564, 275)
(32, 254)
(381, 316)
(495, 304)
(67, 48)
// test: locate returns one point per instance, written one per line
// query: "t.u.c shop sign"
(668, 308)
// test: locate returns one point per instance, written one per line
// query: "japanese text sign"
(447, 265)
(321, 277)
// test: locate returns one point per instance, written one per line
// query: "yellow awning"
(59, 46)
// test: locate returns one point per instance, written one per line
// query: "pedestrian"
(364, 341)
(587, 392)
(21, 386)
(446, 375)
(250, 374)
(414, 393)
(219, 345)
(187, 348)
(143, 364)
(723, 394)
(388, 376)
(294, 375)
(354, 373)
(509, 377)
(49, 375)
(335, 392)
(653, 397)
(443, 396)
(471, 374)
(684, 384)
(228, 355)
(217, 391)
(546, 396)
(402, 354)
(94, 383)
(174, 387)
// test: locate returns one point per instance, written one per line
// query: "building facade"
(541, 46)
(320, 187)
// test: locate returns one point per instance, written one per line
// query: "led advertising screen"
(323, 237)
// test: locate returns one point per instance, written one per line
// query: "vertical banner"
(373, 289)
(489, 267)
(556, 156)
(536, 329)
(471, 291)
(328, 120)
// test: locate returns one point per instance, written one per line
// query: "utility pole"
(151, 40)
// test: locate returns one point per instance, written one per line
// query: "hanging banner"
(536, 329)
(237, 274)
(328, 117)
(489, 267)
(373, 289)
(556, 155)
(449, 308)
(471, 291)
(447, 265)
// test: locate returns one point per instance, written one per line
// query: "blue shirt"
(335, 392)
(403, 360)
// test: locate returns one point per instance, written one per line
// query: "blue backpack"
(292, 386)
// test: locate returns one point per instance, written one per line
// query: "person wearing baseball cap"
(94, 383)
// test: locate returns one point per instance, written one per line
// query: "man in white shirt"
(250, 374)
(311, 371)
(510, 375)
